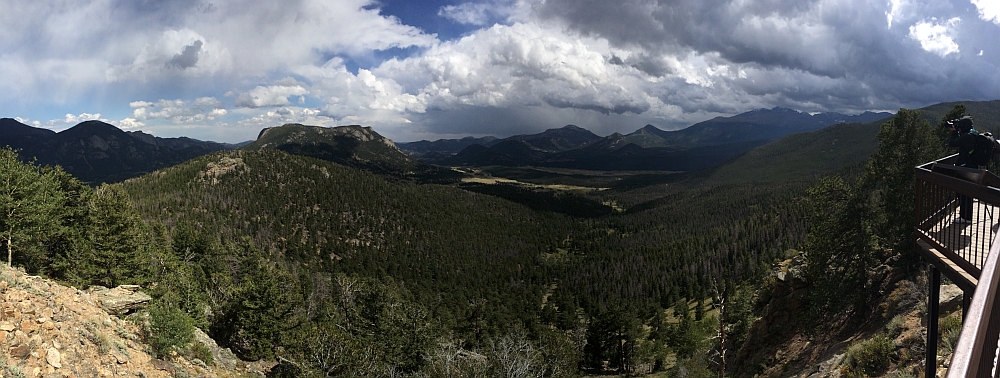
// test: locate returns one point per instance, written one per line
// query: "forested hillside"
(447, 245)
(336, 270)
(483, 268)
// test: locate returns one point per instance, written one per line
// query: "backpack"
(986, 146)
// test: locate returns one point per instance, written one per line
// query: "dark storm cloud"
(792, 45)
(187, 58)
(505, 122)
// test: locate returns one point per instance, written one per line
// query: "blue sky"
(222, 70)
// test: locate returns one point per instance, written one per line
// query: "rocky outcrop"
(222, 356)
(49, 330)
(121, 300)
(789, 299)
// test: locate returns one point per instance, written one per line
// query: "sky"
(224, 69)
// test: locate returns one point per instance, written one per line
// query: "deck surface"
(970, 241)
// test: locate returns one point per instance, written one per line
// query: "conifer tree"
(29, 201)
(904, 142)
(113, 250)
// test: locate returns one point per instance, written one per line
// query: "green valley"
(331, 253)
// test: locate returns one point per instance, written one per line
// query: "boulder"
(121, 300)
(222, 356)
(950, 298)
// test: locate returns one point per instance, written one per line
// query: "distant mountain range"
(703, 145)
(97, 152)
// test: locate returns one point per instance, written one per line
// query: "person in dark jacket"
(963, 136)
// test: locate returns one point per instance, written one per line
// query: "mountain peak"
(10, 126)
(353, 145)
(92, 127)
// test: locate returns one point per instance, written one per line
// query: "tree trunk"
(10, 250)
(10, 247)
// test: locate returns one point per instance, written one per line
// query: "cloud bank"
(225, 69)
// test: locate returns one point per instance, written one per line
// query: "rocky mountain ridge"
(354, 146)
(97, 152)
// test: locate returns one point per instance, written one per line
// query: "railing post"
(966, 302)
(930, 362)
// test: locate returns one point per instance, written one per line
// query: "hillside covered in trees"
(338, 271)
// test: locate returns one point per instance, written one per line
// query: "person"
(963, 136)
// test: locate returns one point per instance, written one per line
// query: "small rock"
(6, 326)
(199, 363)
(21, 351)
(28, 326)
(120, 358)
(42, 320)
(52, 356)
(162, 365)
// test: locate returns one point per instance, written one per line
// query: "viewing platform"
(967, 253)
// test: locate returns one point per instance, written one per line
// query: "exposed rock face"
(48, 330)
(785, 306)
(121, 300)
(789, 298)
(222, 356)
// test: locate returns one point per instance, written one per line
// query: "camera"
(963, 124)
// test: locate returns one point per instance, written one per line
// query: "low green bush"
(949, 328)
(169, 328)
(868, 358)
(201, 352)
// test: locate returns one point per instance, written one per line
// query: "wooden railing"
(967, 253)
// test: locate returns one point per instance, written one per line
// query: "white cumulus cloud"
(74, 119)
(273, 95)
(989, 10)
(936, 37)
(520, 65)
(175, 53)
(130, 124)
(469, 13)
(178, 111)
(281, 116)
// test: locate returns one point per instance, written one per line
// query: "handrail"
(937, 184)
(976, 351)
(938, 181)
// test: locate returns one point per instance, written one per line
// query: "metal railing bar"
(947, 252)
(974, 341)
(940, 211)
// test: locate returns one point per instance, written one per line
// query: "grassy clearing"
(498, 180)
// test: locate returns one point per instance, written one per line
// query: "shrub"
(869, 358)
(895, 326)
(201, 352)
(949, 328)
(91, 331)
(169, 328)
